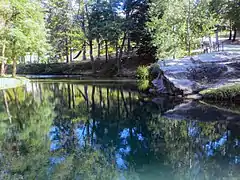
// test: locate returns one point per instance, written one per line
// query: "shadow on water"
(103, 131)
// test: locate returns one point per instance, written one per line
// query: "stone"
(193, 74)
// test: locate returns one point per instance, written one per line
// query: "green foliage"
(176, 25)
(23, 29)
(223, 93)
(227, 11)
(142, 72)
(143, 84)
(65, 33)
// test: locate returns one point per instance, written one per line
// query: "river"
(108, 130)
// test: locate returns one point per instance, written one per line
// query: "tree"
(233, 15)
(5, 14)
(177, 26)
(25, 30)
(59, 22)
(228, 12)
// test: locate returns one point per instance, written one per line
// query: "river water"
(90, 130)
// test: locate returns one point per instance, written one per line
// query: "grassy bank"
(9, 82)
(84, 68)
(229, 92)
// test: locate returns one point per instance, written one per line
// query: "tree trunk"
(120, 54)
(38, 58)
(2, 67)
(230, 31)
(3, 60)
(71, 53)
(106, 50)
(116, 47)
(67, 58)
(230, 35)
(84, 51)
(235, 34)
(31, 58)
(91, 56)
(128, 45)
(99, 49)
(84, 31)
(14, 68)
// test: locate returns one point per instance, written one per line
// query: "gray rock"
(193, 74)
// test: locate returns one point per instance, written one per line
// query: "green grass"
(230, 92)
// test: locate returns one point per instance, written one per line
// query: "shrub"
(142, 72)
(143, 84)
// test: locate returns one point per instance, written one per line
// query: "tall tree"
(5, 14)
(176, 26)
(25, 31)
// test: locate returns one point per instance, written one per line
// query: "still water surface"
(51, 130)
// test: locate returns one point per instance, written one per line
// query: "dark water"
(110, 131)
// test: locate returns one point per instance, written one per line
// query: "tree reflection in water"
(74, 131)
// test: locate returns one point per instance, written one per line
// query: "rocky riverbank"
(200, 72)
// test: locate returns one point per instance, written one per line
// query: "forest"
(67, 31)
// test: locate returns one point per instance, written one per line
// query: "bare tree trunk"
(67, 58)
(120, 54)
(91, 56)
(14, 68)
(84, 51)
(71, 51)
(188, 30)
(106, 50)
(99, 48)
(116, 47)
(128, 45)
(38, 58)
(2, 67)
(235, 34)
(230, 31)
(84, 31)
(230, 34)
(31, 58)
(3, 60)
(71, 55)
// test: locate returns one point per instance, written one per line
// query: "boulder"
(193, 74)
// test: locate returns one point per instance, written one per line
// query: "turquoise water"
(86, 130)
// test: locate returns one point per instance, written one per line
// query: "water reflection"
(74, 131)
